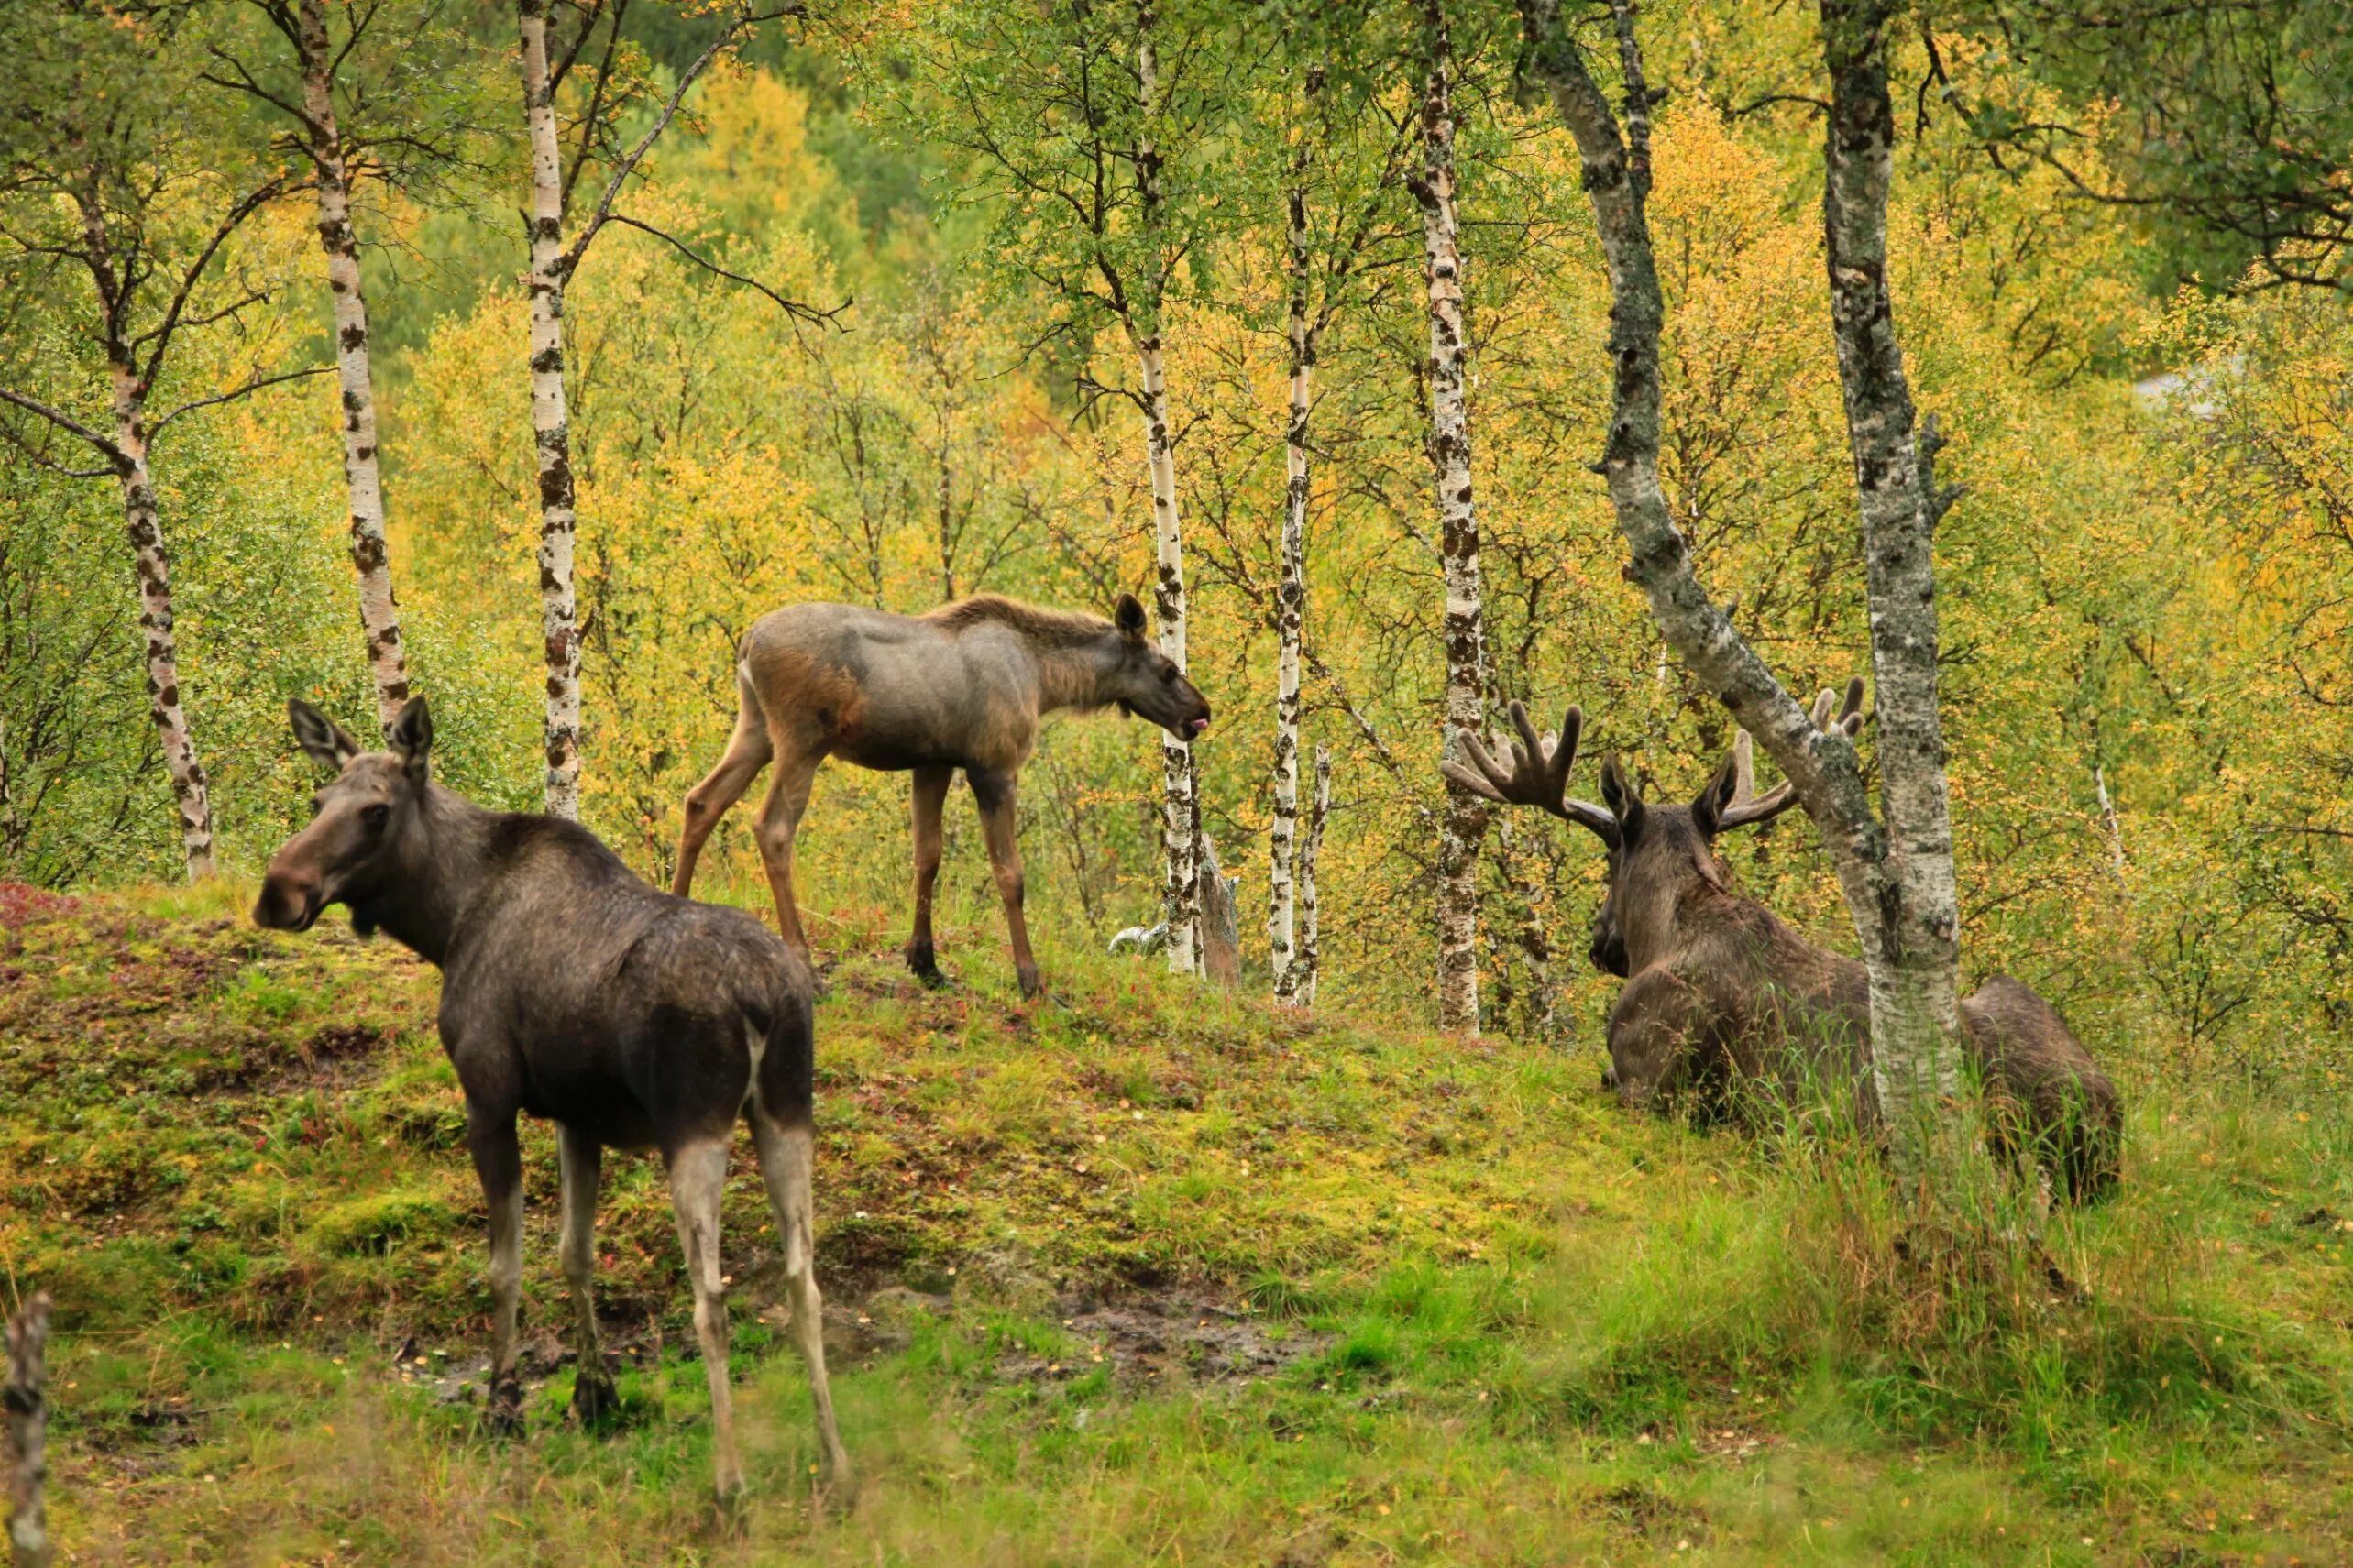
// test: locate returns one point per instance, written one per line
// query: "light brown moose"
(1727, 1008)
(963, 686)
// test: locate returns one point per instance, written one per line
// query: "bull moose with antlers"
(1725, 1004)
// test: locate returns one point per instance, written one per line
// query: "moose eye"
(375, 817)
(1168, 674)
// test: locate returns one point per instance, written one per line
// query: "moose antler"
(1538, 774)
(1748, 807)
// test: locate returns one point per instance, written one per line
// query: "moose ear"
(1708, 810)
(1129, 618)
(322, 738)
(1625, 803)
(411, 737)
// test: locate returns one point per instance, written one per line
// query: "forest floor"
(1135, 1275)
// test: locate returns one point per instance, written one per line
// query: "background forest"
(2145, 675)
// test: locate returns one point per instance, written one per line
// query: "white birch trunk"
(1449, 449)
(1291, 599)
(551, 426)
(1309, 963)
(190, 791)
(1915, 995)
(24, 1410)
(379, 614)
(1181, 882)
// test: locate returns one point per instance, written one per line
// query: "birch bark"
(1916, 1034)
(379, 613)
(1305, 971)
(1822, 765)
(190, 791)
(1449, 447)
(24, 1412)
(1181, 882)
(1291, 592)
(551, 424)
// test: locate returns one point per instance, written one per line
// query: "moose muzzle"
(292, 894)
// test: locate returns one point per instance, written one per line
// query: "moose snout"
(289, 901)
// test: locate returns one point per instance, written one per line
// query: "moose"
(964, 686)
(572, 991)
(1725, 1004)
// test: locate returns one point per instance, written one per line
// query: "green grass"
(1485, 1317)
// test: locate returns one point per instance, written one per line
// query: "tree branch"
(255, 385)
(65, 421)
(743, 22)
(813, 314)
(246, 205)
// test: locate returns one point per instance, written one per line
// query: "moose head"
(1656, 852)
(1146, 682)
(362, 820)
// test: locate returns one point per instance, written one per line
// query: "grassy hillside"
(1135, 1275)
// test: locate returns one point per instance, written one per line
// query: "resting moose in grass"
(1725, 1004)
(963, 686)
(572, 991)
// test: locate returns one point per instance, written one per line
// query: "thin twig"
(813, 314)
(256, 384)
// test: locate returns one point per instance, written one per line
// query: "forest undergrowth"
(1130, 1275)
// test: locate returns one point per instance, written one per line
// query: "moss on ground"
(1136, 1274)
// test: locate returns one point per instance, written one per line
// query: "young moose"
(1721, 994)
(573, 992)
(963, 686)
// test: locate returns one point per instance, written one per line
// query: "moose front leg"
(931, 797)
(580, 1161)
(497, 1161)
(995, 793)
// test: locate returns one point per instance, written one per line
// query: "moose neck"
(439, 864)
(1075, 674)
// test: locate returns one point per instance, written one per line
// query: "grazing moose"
(574, 991)
(1722, 997)
(963, 686)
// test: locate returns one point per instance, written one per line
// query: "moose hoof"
(503, 1417)
(1031, 986)
(594, 1398)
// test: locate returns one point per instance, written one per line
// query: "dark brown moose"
(574, 991)
(962, 686)
(1726, 1005)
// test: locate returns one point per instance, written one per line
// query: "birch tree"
(1087, 123)
(1896, 874)
(1341, 162)
(1464, 823)
(422, 123)
(545, 65)
(1146, 321)
(106, 192)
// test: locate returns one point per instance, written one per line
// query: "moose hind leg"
(748, 750)
(697, 1181)
(580, 1161)
(931, 796)
(497, 1161)
(780, 814)
(995, 793)
(788, 1166)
